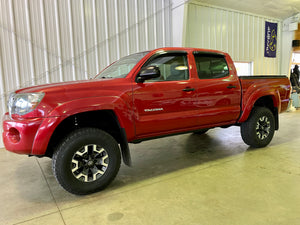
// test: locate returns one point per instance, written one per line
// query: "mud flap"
(125, 148)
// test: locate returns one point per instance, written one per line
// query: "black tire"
(200, 132)
(86, 161)
(259, 129)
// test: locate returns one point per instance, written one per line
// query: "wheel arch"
(105, 120)
(269, 101)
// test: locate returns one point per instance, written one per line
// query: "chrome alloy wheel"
(89, 163)
(263, 127)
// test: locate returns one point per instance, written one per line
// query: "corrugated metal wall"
(60, 40)
(241, 35)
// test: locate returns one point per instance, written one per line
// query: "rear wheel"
(259, 129)
(86, 161)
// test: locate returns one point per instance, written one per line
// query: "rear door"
(168, 103)
(218, 90)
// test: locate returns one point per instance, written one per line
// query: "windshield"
(122, 67)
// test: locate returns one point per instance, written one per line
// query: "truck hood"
(59, 94)
(69, 86)
(67, 91)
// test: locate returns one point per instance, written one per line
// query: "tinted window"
(171, 66)
(211, 66)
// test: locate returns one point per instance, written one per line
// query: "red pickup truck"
(85, 126)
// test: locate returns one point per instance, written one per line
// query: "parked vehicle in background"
(85, 126)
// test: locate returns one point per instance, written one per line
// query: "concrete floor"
(188, 179)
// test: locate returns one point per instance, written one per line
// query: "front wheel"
(259, 129)
(86, 161)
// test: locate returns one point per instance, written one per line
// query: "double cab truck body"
(85, 126)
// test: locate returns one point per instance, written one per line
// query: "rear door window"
(211, 66)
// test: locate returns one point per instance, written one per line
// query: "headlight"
(22, 104)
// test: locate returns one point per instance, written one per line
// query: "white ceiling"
(280, 9)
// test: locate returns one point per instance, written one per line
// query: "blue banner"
(270, 39)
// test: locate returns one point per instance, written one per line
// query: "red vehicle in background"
(85, 126)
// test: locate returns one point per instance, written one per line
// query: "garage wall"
(60, 40)
(238, 33)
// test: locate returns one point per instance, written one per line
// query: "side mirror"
(148, 73)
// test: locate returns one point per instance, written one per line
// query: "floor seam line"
(34, 218)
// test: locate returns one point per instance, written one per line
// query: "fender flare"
(249, 100)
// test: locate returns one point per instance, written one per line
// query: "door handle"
(188, 89)
(231, 86)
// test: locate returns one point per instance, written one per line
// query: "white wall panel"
(60, 40)
(239, 34)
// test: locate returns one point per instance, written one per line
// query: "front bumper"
(18, 136)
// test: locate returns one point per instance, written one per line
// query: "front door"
(166, 103)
